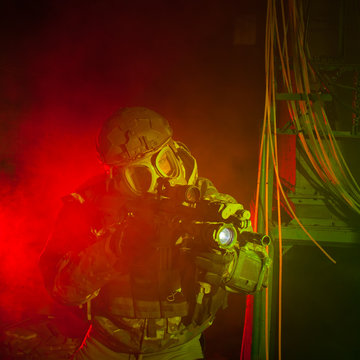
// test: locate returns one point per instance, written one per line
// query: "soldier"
(149, 285)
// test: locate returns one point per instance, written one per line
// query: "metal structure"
(308, 179)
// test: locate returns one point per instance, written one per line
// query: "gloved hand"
(229, 209)
(214, 267)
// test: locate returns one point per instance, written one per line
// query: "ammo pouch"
(250, 270)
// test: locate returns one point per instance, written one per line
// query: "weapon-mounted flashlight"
(225, 236)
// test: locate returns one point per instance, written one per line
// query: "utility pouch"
(250, 270)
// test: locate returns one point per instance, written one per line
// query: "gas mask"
(142, 176)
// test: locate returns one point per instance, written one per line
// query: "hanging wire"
(305, 121)
(317, 138)
(309, 119)
(321, 159)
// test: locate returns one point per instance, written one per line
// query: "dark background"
(67, 65)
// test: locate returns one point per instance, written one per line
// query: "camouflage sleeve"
(77, 260)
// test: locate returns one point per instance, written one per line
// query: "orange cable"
(256, 210)
(258, 180)
(293, 213)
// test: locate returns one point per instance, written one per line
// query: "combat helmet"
(131, 133)
(135, 144)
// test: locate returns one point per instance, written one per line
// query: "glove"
(214, 267)
(228, 209)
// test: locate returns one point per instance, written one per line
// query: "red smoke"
(72, 67)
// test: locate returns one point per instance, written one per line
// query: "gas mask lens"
(142, 176)
(139, 178)
(166, 163)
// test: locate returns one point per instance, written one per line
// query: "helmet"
(130, 133)
(136, 147)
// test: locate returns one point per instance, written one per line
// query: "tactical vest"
(155, 305)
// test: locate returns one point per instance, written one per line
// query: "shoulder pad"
(89, 190)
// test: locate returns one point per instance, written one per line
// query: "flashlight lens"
(226, 236)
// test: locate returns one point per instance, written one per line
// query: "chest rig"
(158, 277)
(151, 285)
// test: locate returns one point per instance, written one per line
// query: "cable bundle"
(304, 114)
(308, 115)
(310, 122)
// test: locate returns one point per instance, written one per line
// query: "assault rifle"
(211, 225)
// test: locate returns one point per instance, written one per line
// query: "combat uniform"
(144, 292)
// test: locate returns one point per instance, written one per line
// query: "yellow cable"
(268, 84)
(275, 163)
(280, 270)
